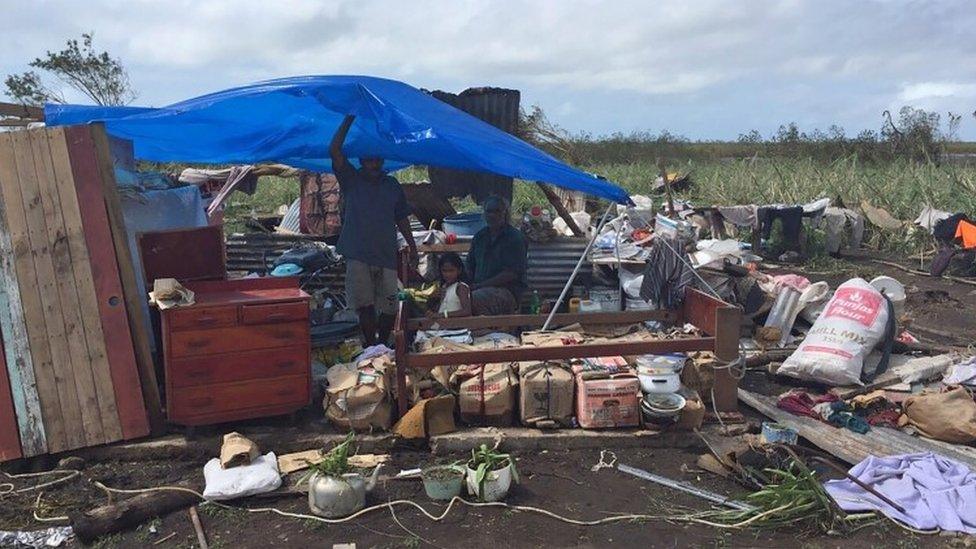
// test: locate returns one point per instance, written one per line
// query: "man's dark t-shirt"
(370, 211)
(490, 255)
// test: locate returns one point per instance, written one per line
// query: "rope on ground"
(455, 500)
(37, 505)
(8, 488)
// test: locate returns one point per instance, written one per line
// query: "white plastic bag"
(257, 478)
(852, 323)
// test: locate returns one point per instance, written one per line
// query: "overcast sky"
(704, 69)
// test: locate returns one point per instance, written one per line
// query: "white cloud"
(630, 62)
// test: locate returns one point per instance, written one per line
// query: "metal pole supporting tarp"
(579, 264)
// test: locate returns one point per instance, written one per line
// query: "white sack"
(852, 323)
(257, 478)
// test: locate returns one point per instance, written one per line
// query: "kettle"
(336, 497)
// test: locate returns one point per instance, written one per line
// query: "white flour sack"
(852, 323)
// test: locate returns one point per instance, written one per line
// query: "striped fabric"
(666, 276)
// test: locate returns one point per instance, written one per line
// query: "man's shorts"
(371, 286)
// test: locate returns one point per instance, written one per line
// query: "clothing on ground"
(493, 302)
(936, 492)
(371, 286)
(490, 254)
(667, 273)
(371, 209)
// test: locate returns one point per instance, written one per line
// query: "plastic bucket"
(464, 224)
(496, 484)
(443, 482)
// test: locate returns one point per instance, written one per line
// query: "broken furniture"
(717, 319)
(240, 351)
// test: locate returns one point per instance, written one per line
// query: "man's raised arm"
(335, 148)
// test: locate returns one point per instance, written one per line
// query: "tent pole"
(579, 264)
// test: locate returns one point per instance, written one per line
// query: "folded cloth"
(936, 492)
(800, 403)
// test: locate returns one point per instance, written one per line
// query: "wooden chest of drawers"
(241, 351)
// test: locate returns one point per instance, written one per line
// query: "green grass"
(902, 187)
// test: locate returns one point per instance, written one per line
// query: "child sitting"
(455, 293)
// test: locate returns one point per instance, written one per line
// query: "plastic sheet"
(291, 120)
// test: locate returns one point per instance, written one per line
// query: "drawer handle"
(285, 364)
(197, 343)
(285, 392)
(277, 316)
(206, 320)
(201, 402)
(284, 335)
(197, 373)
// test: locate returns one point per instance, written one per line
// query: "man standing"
(497, 262)
(374, 206)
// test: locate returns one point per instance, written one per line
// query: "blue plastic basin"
(464, 224)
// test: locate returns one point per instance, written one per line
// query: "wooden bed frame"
(717, 319)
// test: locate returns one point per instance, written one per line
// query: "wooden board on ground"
(850, 446)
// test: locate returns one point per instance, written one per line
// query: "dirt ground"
(557, 480)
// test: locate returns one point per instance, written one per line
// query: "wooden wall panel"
(9, 441)
(108, 284)
(81, 273)
(145, 373)
(64, 305)
(13, 326)
(30, 297)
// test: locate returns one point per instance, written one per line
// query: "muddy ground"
(558, 480)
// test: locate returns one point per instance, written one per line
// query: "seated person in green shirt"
(497, 262)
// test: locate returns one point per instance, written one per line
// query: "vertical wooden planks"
(104, 263)
(9, 441)
(37, 338)
(13, 326)
(89, 405)
(145, 373)
(81, 272)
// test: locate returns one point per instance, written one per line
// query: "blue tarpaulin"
(292, 120)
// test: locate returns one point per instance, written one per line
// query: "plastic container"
(608, 298)
(894, 290)
(496, 485)
(464, 224)
(660, 383)
(443, 482)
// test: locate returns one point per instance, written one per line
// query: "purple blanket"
(936, 492)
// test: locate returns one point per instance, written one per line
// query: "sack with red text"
(851, 324)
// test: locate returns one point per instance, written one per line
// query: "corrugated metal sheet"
(500, 108)
(549, 263)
